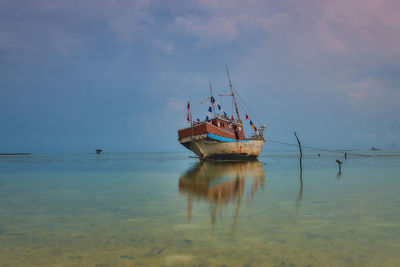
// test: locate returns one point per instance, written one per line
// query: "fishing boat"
(221, 137)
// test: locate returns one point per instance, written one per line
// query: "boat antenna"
(233, 95)
(212, 99)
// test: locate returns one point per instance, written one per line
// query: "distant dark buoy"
(98, 151)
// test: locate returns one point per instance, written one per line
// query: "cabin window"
(240, 128)
(219, 124)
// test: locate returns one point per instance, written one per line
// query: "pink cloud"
(354, 26)
(225, 29)
(357, 96)
(208, 31)
(331, 28)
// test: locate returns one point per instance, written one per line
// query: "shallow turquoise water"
(165, 209)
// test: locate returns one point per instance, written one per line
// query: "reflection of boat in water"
(221, 184)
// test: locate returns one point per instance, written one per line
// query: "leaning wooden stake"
(301, 169)
(301, 152)
(339, 165)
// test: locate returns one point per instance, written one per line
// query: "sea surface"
(167, 209)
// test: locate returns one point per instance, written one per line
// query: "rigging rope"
(244, 103)
(289, 144)
(285, 143)
(317, 148)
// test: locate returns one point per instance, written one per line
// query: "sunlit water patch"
(166, 209)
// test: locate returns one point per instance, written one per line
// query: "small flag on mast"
(209, 113)
(254, 127)
(188, 116)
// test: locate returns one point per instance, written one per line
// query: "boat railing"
(254, 136)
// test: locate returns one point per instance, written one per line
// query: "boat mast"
(233, 95)
(212, 99)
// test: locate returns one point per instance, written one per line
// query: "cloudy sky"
(77, 75)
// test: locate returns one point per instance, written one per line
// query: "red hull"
(215, 126)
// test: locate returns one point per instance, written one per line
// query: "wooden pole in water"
(301, 168)
(301, 152)
(340, 165)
